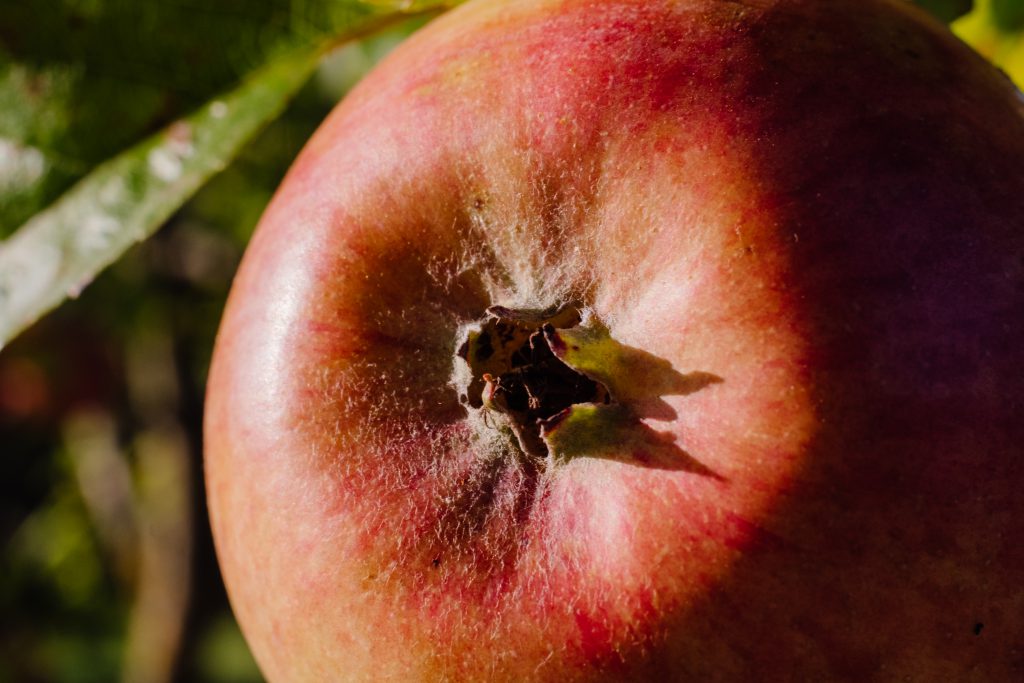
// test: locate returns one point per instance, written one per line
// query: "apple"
(637, 340)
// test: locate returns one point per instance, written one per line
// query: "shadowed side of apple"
(689, 352)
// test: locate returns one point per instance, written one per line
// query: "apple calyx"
(561, 387)
(516, 375)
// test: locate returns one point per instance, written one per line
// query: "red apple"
(637, 340)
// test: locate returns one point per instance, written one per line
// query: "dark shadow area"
(614, 432)
(900, 517)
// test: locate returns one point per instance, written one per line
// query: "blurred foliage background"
(107, 569)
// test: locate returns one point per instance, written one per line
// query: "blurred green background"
(107, 569)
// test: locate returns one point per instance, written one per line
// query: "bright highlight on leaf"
(60, 250)
(996, 29)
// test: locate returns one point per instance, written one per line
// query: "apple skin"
(820, 203)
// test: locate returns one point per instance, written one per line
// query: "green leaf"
(986, 30)
(59, 251)
(947, 10)
(36, 110)
(187, 49)
(82, 80)
(1008, 14)
(122, 201)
